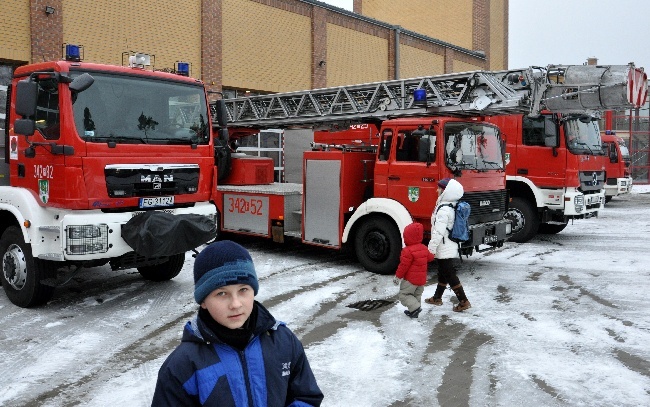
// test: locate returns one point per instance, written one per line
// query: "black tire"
(550, 228)
(378, 245)
(608, 198)
(21, 273)
(523, 217)
(163, 271)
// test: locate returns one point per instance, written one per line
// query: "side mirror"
(26, 127)
(81, 82)
(26, 98)
(222, 113)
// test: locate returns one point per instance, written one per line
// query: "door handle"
(393, 178)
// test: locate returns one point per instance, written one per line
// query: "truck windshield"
(473, 146)
(130, 110)
(582, 138)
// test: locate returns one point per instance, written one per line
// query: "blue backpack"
(459, 232)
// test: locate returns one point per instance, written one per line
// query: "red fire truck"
(364, 193)
(617, 165)
(104, 164)
(554, 173)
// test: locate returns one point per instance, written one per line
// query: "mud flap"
(157, 234)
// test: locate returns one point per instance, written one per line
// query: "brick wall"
(211, 49)
(46, 30)
(169, 30)
(476, 25)
(15, 36)
(266, 45)
(355, 56)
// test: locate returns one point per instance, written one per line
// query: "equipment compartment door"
(246, 213)
(322, 202)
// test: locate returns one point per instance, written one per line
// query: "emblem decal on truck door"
(414, 194)
(44, 190)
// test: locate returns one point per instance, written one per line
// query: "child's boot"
(414, 313)
(463, 302)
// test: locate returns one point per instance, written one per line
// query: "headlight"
(579, 203)
(84, 232)
(86, 239)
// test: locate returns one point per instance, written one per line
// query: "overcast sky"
(570, 31)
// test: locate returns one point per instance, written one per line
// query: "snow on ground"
(561, 320)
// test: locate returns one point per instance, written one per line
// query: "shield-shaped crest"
(44, 190)
(414, 194)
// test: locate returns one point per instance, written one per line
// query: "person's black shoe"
(413, 314)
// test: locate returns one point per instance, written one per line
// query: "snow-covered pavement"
(561, 320)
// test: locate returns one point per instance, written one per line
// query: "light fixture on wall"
(49, 10)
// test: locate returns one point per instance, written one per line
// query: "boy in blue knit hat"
(234, 353)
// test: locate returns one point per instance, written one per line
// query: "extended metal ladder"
(563, 89)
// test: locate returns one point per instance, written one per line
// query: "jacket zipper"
(242, 358)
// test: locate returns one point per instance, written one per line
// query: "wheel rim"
(376, 246)
(516, 219)
(14, 267)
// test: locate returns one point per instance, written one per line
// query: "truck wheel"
(378, 245)
(608, 198)
(21, 273)
(550, 228)
(163, 271)
(524, 220)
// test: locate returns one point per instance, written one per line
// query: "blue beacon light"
(420, 97)
(72, 53)
(183, 68)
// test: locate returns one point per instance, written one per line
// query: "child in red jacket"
(412, 269)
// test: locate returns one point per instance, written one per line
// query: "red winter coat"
(414, 257)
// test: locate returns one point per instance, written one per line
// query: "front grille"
(137, 182)
(591, 181)
(487, 206)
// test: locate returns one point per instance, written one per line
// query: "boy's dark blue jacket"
(272, 371)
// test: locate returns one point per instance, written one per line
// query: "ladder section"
(561, 89)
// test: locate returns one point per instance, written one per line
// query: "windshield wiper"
(179, 141)
(580, 143)
(119, 139)
(494, 163)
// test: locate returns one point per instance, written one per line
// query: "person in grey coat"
(445, 250)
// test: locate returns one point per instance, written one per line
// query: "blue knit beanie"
(222, 263)
(443, 183)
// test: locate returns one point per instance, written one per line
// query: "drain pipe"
(396, 62)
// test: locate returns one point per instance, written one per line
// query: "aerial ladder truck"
(381, 148)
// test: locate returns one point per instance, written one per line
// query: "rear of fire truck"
(107, 164)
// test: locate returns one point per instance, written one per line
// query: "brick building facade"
(266, 45)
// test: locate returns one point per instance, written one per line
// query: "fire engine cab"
(105, 164)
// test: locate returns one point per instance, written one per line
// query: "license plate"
(490, 239)
(156, 202)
